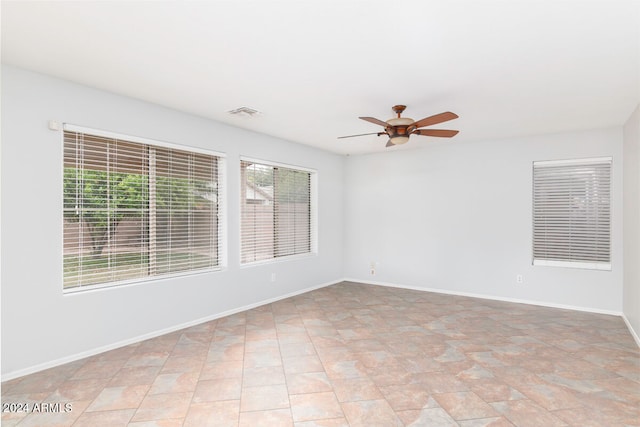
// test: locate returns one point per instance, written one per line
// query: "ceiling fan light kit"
(399, 129)
(397, 140)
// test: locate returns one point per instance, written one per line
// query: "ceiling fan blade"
(442, 133)
(438, 118)
(362, 134)
(389, 144)
(374, 121)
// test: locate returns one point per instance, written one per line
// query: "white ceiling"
(507, 68)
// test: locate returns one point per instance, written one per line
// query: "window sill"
(574, 264)
(135, 282)
(277, 260)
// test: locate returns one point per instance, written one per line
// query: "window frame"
(578, 263)
(313, 212)
(221, 205)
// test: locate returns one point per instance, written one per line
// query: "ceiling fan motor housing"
(398, 126)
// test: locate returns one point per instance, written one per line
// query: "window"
(571, 213)
(135, 209)
(276, 211)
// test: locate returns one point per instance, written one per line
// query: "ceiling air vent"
(244, 112)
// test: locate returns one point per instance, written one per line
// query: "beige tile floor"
(356, 355)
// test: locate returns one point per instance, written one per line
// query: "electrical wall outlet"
(519, 278)
(372, 268)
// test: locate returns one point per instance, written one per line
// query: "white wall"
(450, 216)
(456, 217)
(40, 325)
(632, 222)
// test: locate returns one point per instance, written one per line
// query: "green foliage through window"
(133, 210)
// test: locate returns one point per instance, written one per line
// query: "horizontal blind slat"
(136, 210)
(275, 212)
(571, 211)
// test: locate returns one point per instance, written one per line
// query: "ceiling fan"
(400, 128)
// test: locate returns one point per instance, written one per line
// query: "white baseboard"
(631, 330)
(488, 297)
(102, 349)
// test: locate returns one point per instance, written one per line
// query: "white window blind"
(572, 213)
(276, 212)
(136, 210)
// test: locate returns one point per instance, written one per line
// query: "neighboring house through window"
(277, 211)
